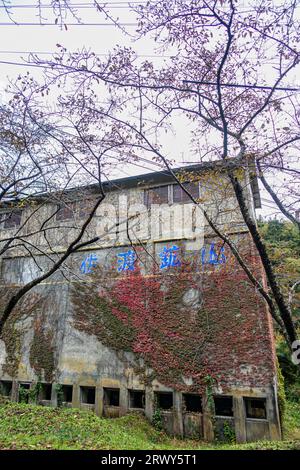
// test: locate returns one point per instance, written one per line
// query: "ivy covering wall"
(183, 325)
(27, 316)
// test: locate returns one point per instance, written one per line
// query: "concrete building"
(156, 316)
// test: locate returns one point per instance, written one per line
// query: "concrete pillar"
(273, 416)
(149, 402)
(177, 412)
(32, 400)
(99, 401)
(123, 400)
(15, 391)
(76, 396)
(54, 395)
(239, 419)
(208, 427)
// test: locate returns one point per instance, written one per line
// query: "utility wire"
(120, 4)
(75, 5)
(25, 64)
(68, 24)
(236, 85)
(77, 52)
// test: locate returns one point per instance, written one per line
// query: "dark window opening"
(136, 399)
(192, 403)
(111, 396)
(88, 395)
(45, 392)
(164, 400)
(256, 408)
(180, 196)
(85, 207)
(5, 388)
(67, 393)
(66, 211)
(223, 406)
(159, 195)
(23, 393)
(12, 219)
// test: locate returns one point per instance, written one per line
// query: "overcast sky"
(95, 33)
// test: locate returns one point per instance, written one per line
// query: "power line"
(236, 85)
(73, 5)
(6, 62)
(25, 64)
(97, 54)
(68, 24)
(77, 52)
(101, 4)
(87, 7)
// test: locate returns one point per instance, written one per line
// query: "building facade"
(156, 316)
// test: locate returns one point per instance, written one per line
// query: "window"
(87, 395)
(5, 388)
(45, 392)
(67, 393)
(66, 211)
(255, 408)
(11, 219)
(136, 399)
(223, 406)
(171, 193)
(164, 400)
(192, 403)
(85, 206)
(111, 397)
(23, 392)
(180, 196)
(159, 195)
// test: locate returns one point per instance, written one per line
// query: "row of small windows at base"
(191, 403)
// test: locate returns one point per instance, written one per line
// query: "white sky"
(17, 40)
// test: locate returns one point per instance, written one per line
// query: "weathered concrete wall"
(216, 197)
(45, 343)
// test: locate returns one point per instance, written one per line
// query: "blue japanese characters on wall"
(169, 258)
(88, 263)
(212, 256)
(126, 261)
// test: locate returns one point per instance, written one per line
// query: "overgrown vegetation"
(24, 426)
(188, 339)
(157, 419)
(35, 427)
(283, 243)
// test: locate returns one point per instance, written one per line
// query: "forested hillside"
(283, 241)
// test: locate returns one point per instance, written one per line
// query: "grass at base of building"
(37, 427)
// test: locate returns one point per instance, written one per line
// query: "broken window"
(111, 396)
(136, 399)
(159, 195)
(67, 393)
(23, 395)
(255, 408)
(164, 400)
(66, 211)
(179, 196)
(223, 406)
(88, 395)
(85, 207)
(192, 403)
(5, 388)
(11, 219)
(45, 392)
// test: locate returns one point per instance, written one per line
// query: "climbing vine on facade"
(182, 325)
